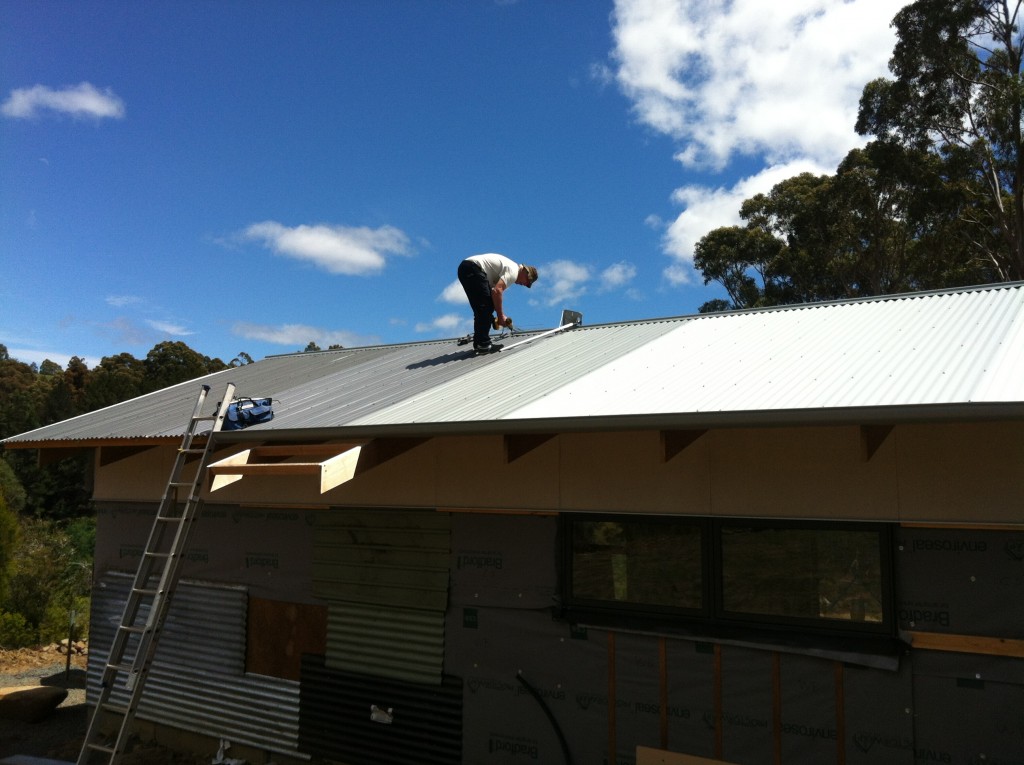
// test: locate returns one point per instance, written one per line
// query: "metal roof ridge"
(694, 316)
(889, 297)
(357, 348)
(825, 303)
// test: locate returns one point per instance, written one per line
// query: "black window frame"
(712, 619)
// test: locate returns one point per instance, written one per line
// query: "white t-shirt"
(497, 267)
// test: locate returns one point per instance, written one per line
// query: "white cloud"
(82, 100)
(166, 328)
(453, 293)
(752, 77)
(602, 74)
(449, 324)
(775, 85)
(707, 209)
(617, 276)
(563, 280)
(299, 334)
(354, 251)
(678, 275)
(121, 301)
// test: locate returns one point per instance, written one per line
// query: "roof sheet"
(952, 348)
(917, 350)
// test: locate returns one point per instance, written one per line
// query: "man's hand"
(502, 321)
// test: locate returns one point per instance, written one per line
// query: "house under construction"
(789, 535)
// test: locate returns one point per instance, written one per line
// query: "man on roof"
(485, 279)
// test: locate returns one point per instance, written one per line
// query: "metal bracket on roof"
(570, 319)
(575, 318)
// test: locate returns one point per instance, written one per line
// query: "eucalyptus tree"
(886, 222)
(957, 92)
(173, 362)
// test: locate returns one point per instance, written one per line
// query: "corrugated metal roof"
(954, 349)
(919, 350)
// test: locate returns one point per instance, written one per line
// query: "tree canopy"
(957, 91)
(32, 397)
(935, 200)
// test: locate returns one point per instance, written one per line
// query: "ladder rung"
(118, 709)
(145, 591)
(101, 748)
(136, 629)
(121, 667)
(158, 554)
(205, 418)
(179, 484)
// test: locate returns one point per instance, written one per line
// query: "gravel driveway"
(60, 735)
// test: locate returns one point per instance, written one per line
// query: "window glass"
(638, 562)
(808, 573)
(827, 577)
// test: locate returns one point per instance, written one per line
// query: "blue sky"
(253, 176)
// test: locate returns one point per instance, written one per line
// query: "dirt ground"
(60, 735)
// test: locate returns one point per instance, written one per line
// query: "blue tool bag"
(243, 412)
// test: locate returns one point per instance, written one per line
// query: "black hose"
(551, 717)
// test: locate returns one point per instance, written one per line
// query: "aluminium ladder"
(153, 586)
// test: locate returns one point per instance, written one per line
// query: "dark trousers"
(478, 292)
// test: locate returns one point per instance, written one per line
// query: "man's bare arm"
(498, 297)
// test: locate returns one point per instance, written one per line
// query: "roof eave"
(874, 415)
(884, 415)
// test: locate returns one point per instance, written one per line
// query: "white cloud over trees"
(751, 89)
